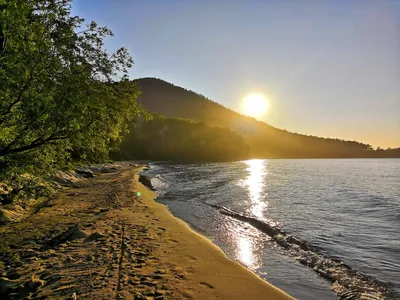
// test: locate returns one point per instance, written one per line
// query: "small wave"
(159, 183)
(345, 280)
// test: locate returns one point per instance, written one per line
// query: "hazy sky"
(329, 68)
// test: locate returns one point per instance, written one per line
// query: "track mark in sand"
(191, 257)
(206, 284)
(121, 259)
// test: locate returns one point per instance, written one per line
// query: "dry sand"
(99, 240)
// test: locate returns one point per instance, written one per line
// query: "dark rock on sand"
(85, 173)
(108, 170)
(146, 181)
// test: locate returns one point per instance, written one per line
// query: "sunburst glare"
(255, 105)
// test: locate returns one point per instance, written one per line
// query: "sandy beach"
(99, 240)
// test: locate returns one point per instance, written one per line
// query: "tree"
(60, 90)
(181, 140)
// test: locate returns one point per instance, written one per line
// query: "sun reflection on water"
(255, 184)
(246, 252)
(247, 249)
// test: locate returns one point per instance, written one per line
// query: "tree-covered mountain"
(181, 140)
(264, 140)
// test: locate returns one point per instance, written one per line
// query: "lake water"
(344, 212)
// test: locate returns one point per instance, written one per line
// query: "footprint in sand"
(190, 257)
(13, 275)
(206, 284)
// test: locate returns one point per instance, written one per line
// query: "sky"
(328, 68)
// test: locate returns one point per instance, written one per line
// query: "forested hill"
(264, 140)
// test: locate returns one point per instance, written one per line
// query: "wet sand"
(99, 240)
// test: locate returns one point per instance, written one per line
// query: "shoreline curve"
(212, 275)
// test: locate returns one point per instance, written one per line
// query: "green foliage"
(25, 186)
(61, 92)
(182, 140)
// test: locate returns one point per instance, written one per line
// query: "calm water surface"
(350, 208)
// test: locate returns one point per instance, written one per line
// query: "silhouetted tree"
(181, 140)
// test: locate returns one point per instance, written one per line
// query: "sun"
(255, 105)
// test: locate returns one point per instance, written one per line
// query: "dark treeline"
(181, 140)
(265, 141)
